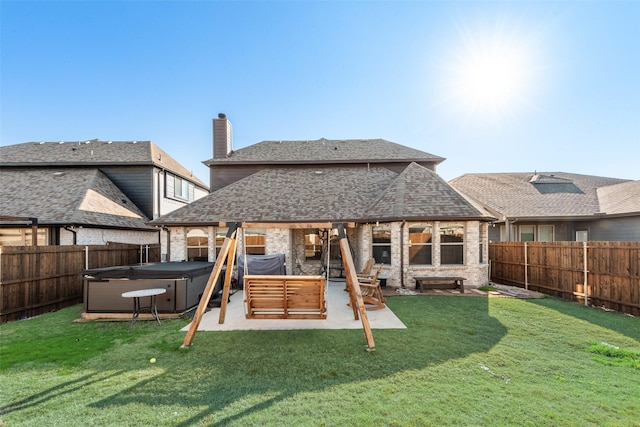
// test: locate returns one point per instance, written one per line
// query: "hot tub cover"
(261, 264)
(159, 270)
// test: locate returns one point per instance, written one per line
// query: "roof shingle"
(515, 195)
(68, 196)
(327, 194)
(92, 153)
(327, 151)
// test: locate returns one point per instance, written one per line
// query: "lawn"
(461, 361)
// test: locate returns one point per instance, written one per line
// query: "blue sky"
(491, 86)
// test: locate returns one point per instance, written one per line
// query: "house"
(555, 206)
(89, 192)
(289, 193)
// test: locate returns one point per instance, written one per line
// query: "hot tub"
(184, 282)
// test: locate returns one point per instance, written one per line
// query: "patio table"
(143, 293)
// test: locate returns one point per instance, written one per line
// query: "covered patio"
(339, 316)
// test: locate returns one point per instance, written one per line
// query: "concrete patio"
(339, 316)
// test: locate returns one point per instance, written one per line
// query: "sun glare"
(490, 73)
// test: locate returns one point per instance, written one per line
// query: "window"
(482, 234)
(22, 236)
(506, 237)
(312, 245)
(420, 244)
(221, 233)
(178, 188)
(582, 235)
(255, 241)
(451, 243)
(197, 244)
(545, 233)
(527, 233)
(381, 244)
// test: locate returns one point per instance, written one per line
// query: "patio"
(339, 316)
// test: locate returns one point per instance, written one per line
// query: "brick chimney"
(222, 138)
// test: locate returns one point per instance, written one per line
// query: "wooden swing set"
(300, 300)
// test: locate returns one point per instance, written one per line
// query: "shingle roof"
(523, 195)
(327, 151)
(620, 198)
(67, 196)
(326, 194)
(420, 193)
(92, 153)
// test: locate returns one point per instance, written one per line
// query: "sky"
(541, 86)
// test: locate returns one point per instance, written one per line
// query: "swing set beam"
(228, 252)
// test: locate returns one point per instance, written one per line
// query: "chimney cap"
(222, 116)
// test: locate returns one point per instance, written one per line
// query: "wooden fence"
(36, 280)
(603, 274)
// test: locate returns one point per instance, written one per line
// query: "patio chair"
(366, 270)
(371, 291)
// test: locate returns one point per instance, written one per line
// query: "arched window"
(197, 244)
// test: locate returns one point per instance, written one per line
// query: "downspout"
(159, 193)
(74, 232)
(34, 231)
(402, 227)
(165, 228)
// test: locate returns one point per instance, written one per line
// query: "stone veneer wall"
(291, 243)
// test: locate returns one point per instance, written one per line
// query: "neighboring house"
(397, 209)
(555, 206)
(89, 192)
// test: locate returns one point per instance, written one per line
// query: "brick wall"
(97, 236)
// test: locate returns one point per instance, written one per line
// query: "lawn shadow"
(615, 321)
(222, 369)
(55, 392)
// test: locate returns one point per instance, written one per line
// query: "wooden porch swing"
(281, 297)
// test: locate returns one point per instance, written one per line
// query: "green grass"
(461, 361)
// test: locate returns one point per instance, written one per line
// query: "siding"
(615, 229)
(136, 183)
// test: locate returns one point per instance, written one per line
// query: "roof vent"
(58, 173)
(319, 172)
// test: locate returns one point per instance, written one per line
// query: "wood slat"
(557, 268)
(285, 297)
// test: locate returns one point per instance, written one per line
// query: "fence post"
(585, 281)
(86, 257)
(526, 264)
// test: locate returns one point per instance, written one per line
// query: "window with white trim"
(527, 233)
(545, 233)
(178, 188)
